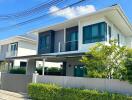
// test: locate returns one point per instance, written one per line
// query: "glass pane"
(47, 42)
(14, 47)
(42, 42)
(103, 32)
(73, 36)
(87, 34)
(71, 43)
(95, 31)
(103, 29)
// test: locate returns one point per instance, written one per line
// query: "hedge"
(50, 71)
(128, 65)
(53, 92)
(18, 71)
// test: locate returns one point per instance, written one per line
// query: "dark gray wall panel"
(51, 42)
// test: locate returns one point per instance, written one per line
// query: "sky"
(10, 7)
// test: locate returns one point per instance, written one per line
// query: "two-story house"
(21, 45)
(66, 42)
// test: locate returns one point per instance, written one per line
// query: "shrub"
(54, 92)
(106, 61)
(50, 71)
(39, 70)
(43, 91)
(18, 71)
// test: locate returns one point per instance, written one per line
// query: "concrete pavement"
(6, 95)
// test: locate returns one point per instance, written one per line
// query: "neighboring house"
(21, 45)
(68, 41)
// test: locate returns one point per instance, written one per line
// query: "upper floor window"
(14, 46)
(94, 33)
(109, 33)
(44, 42)
(72, 38)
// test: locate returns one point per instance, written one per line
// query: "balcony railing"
(11, 54)
(71, 46)
(68, 46)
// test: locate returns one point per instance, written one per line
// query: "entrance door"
(79, 71)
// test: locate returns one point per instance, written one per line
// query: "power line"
(30, 11)
(38, 18)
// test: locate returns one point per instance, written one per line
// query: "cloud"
(72, 12)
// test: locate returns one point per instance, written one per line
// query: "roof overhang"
(16, 39)
(114, 14)
(50, 57)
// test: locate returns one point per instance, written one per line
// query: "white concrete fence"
(15, 82)
(111, 85)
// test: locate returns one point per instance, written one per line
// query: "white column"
(43, 66)
(31, 66)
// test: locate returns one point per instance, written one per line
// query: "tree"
(106, 61)
(128, 65)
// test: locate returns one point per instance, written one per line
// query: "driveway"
(6, 95)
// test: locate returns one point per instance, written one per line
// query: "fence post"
(34, 78)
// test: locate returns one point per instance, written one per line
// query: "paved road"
(6, 95)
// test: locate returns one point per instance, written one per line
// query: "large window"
(14, 46)
(44, 42)
(23, 64)
(72, 38)
(72, 41)
(94, 33)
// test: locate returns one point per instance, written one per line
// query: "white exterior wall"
(114, 33)
(17, 63)
(124, 40)
(85, 22)
(26, 48)
(129, 42)
(48, 64)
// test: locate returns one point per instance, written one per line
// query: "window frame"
(118, 39)
(109, 32)
(91, 39)
(14, 46)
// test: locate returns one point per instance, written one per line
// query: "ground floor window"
(23, 64)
